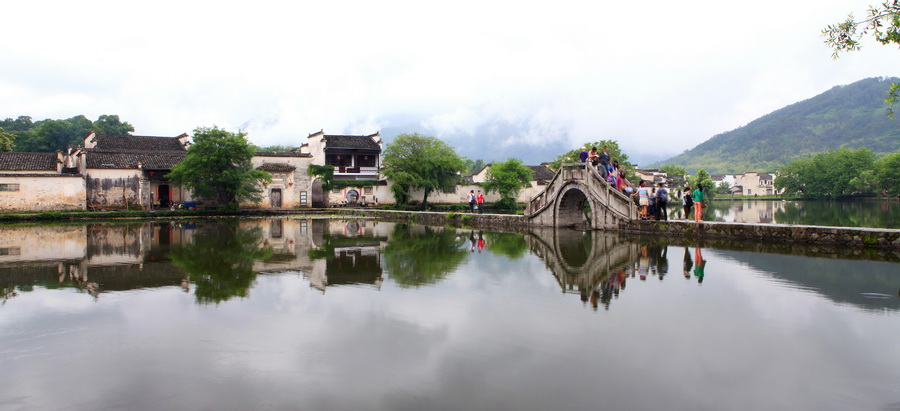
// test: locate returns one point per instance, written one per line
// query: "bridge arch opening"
(573, 209)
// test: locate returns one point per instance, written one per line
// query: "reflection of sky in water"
(493, 334)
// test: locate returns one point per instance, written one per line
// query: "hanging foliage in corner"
(326, 173)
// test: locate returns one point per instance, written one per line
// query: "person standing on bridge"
(643, 198)
(662, 199)
(583, 155)
(698, 197)
(687, 202)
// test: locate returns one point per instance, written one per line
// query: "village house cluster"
(119, 172)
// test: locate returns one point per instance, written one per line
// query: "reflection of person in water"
(472, 241)
(700, 266)
(480, 241)
(658, 260)
(688, 263)
(644, 263)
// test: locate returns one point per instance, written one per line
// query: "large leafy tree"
(703, 177)
(508, 178)
(57, 134)
(51, 135)
(882, 21)
(832, 174)
(414, 161)
(218, 167)
(110, 125)
(6, 141)
(888, 172)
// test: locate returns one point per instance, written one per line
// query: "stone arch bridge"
(562, 203)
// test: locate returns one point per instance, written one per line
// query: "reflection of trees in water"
(220, 260)
(419, 255)
(507, 244)
(881, 214)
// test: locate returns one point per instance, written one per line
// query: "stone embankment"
(850, 237)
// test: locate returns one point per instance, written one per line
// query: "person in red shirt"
(480, 199)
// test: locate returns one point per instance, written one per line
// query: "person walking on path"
(480, 200)
(698, 196)
(604, 161)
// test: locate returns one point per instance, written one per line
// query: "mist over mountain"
(852, 115)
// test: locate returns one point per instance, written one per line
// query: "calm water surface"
(859, 213)
(363, 315)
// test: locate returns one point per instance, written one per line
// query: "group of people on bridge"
(653, 201)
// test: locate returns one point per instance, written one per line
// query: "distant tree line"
(24, 135)
(841, 173)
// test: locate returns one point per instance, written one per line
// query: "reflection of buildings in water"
(753, 212)
(112, 257)
(351, 254)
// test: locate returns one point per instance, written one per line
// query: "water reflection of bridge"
(584, 261)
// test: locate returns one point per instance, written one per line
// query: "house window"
(366, 161)
(303, 198)
(11, 251)
(9, 187)
(368, 190)
(337, 160)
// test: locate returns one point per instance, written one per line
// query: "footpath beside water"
(848, 237)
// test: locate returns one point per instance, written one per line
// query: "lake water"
(365, 315)
(859, 213)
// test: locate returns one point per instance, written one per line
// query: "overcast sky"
(495, 79)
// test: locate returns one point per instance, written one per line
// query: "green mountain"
(851, 116)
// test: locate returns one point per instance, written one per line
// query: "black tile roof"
(283, 154)
(142, 143)
(542, 172)
(353, 142)
(276, 167)
(130, 160)
(28, 161)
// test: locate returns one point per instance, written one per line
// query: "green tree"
(508, 178)
(274, 149)
(6, 141)
(110, 125)
(829, 174)
(888, 172)
(673, 170)
(414, 161)
(883, 22)
(218, 167)
(52, 135)
(21, 123)
(473, 166)
(723, 188)
(709, 187)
